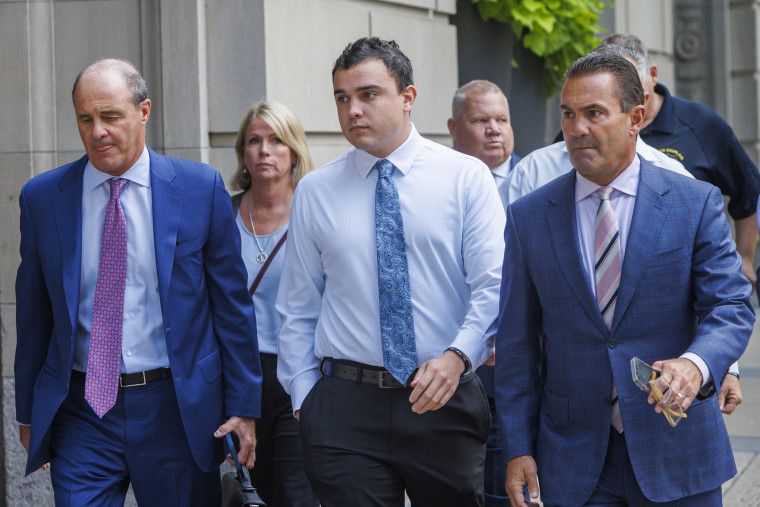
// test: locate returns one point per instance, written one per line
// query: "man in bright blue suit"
(563, 353)
(184, 338)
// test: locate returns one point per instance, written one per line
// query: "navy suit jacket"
(681, 290)
(515, 159)
(208, 315)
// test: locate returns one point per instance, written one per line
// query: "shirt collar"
(665, 121)
(139, 173)
(501, 170)
(402, 157)
(627, 182)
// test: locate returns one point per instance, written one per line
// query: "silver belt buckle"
(381, 380)
(134, 385)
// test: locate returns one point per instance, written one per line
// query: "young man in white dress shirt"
(369, 435)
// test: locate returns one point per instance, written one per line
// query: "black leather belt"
(132, 379)
(362, 373)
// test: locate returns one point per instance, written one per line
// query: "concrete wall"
(205, 62)
(744, 88)
(486, 51)
(652, 21)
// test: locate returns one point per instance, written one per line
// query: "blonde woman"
(272, 157)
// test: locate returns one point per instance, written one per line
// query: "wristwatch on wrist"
(463, 357)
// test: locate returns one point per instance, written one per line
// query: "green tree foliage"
(559, 31)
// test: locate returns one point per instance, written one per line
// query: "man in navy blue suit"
(567, 333)
(481, 126)
(181, 332)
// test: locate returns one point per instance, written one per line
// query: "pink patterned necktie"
(102, 381)
(607, 268)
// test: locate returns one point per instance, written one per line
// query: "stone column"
(743, 101)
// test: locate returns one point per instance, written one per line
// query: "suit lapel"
(67, 213)
(646, 224)
(563, 234)
(167, 200)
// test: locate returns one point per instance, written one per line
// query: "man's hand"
(245, 429)
(491, 361)
(436, 382)
(521, 471)
(684, 378)
(23, 436)
(730, 395)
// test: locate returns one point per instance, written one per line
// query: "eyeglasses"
(662, 393)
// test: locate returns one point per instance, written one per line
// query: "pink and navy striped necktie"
(102, 381)
(607, 268)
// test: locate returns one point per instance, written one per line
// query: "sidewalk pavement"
(744, 429)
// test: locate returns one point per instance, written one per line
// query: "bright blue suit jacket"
(681, 290)
(208, 315)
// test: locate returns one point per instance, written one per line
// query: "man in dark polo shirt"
(706, 145)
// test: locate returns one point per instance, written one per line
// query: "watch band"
(463, 357)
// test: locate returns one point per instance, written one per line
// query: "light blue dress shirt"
(623, 201)
(541, 166)
(500, 175)
(143, 345)
(267, 320)
(328, 297)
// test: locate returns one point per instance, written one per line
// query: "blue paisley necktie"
(396, 321)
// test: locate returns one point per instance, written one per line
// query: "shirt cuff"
(301, 386)
(734, 368)
(700, 363)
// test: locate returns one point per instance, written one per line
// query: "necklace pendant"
(262, 257)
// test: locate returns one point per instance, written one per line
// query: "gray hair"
(476, 86)
(129, 73)
(642, 67)
(628, 41)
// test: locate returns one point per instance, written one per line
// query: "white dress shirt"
(539, 167)
(143, 344)
(623, 201)
(328, 295)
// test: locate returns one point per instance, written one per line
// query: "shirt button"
(612, 344)
(129, 352)
(126, 316)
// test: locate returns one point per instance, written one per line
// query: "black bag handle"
(242, 471)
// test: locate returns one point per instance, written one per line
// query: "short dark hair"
(629, 89)
(385, 50)
(132, 78)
